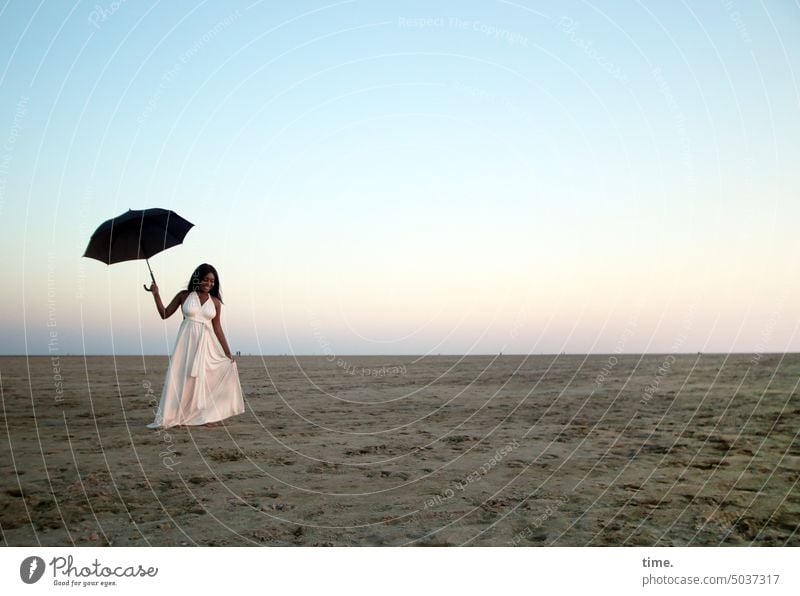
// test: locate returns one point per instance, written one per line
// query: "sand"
(482, 450)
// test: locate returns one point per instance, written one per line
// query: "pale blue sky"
(408, 177)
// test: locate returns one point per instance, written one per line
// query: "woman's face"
(207, 283)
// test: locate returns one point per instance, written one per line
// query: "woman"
(202, 383)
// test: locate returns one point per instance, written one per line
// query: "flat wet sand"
(571, 450)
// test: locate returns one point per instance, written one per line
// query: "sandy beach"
(607, 450)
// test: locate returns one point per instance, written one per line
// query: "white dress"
(202, 383)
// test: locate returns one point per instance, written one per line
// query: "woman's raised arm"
(166, 312)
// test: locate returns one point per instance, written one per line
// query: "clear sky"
(407, 177)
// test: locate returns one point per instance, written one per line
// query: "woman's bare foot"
(212, 424)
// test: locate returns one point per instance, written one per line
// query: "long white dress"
(202, 383)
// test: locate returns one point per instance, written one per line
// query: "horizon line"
(327, 356)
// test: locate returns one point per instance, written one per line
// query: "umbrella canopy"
(137, 234)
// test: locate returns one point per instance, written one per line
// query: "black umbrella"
(137, 235)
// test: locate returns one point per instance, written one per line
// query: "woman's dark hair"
(199, 274)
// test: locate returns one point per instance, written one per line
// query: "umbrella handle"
(151, 277)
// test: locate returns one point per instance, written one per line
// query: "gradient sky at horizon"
(407, 178)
